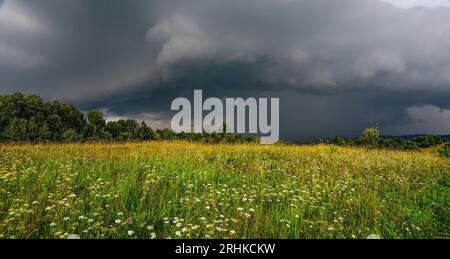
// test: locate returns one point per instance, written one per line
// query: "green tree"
(45, 134)
(429, 141)
(71, 118)
(370, 137)
(338, 141)
(33, 128)
(17, 130)
(55, 126)
(114, 128)
(167, 134)
(28, 118)
(96, 122)
(70, 136)
(145, 132)
(104, 135)
(132, 127)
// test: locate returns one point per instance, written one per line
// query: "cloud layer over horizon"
(340, 65)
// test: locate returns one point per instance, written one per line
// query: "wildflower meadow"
(161, 190)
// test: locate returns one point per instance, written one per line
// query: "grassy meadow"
(186, 190)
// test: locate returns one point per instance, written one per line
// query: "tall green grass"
(184, 190)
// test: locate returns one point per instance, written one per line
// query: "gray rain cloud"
(338, 66)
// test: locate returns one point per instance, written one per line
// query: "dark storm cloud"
(338, 66)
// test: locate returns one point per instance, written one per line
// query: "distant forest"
(371, 137)
(27, 118)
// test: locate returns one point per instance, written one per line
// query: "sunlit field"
(182, 190)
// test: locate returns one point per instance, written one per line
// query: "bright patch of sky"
(418, 3)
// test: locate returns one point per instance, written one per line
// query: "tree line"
(371, 138)
(27, 118)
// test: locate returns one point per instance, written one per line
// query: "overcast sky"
(338, 66)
